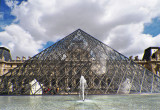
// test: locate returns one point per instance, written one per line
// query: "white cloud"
(19, 41)
(119, 23)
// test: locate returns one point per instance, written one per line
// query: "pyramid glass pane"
(57, 70)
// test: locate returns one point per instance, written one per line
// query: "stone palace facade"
(57, 69)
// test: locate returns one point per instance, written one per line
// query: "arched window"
(53, 82)
(103, 82)
(109, 81)
(96, 81)
(87, 79)
(70, 72)
(77, 82)
(62, 71)
(78, 56)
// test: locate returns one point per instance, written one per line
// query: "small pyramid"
(58, 69)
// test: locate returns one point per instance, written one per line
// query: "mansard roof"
(5, 53)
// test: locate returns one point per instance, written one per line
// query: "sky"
(128, 26)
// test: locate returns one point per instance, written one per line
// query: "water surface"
(93, 102)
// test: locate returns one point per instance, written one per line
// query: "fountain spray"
(83, 86)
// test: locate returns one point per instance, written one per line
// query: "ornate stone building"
(150, 60)
(6, 62)
(57, 70)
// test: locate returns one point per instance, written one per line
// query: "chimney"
(17, 58)
(23, 58)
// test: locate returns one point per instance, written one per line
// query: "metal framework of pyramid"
(57, 70)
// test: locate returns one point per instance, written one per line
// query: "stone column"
(66, 77)
(2, 64)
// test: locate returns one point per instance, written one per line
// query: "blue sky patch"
(5, 14)
(152, 28)
(6, 17)
(48, 44)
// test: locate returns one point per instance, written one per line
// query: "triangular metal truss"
(57, 70)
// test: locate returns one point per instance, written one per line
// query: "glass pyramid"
(57, 70)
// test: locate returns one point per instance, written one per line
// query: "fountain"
(125, 86)
(83, 85)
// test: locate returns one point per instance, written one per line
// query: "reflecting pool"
(72, 102)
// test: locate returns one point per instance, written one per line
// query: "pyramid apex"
(79, 29)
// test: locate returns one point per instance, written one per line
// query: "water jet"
(83, 85)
